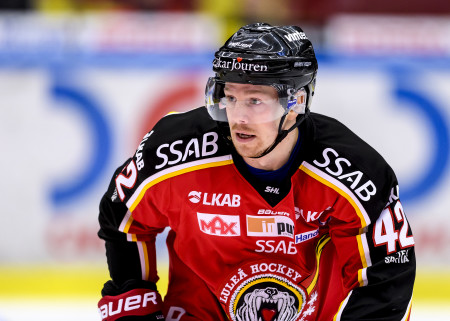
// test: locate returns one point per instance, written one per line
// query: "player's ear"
(291, 115)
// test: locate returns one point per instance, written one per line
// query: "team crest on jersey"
(264, 291)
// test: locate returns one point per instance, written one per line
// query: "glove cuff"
(136, 302)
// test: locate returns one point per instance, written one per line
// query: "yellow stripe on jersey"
(128, 224)
(408, 312)
(326, 181)
(172, 172)
(360, 211)
(146, 261)
(362, 253)
(361, 250)
(143, 256)
(337, 316)
(360, 277)
(319, 247)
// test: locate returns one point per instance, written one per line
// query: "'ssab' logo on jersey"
(276, 246)
(220, 225)
(341, 168)
(138, 155)
(215, 199)
(179, 150)
(270, 226)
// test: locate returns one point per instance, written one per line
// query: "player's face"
(253, 113)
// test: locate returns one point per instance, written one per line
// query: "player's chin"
(247, 151)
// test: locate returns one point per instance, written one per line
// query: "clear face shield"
(251, 103)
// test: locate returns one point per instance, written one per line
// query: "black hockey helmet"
(261, 54)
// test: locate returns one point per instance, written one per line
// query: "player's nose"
(239, 113)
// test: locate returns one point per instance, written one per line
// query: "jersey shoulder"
(342, 157)
(177, 142)
(181, 138)
(331, 133)
(177, 125)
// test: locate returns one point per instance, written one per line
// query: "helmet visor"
(248, 103)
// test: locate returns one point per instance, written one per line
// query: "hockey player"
(275, 213)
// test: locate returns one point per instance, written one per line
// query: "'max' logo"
(220, 225)
(341, 168)
(179, 150)
(215, 199)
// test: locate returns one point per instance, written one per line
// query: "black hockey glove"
(135, 300)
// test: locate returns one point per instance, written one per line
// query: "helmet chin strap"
(282, 133)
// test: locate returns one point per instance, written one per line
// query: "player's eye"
(229, 99)
(254, 101)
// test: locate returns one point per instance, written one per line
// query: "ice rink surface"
(85, 310)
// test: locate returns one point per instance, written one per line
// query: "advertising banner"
(79, 93)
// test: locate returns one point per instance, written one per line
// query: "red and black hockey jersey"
(330, 242)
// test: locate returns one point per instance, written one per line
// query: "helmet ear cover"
(298, 104)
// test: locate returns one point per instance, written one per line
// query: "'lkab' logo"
(195, 196)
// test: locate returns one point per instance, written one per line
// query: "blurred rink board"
(79, 92)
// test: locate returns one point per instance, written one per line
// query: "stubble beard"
(247, 151)
(250, 150)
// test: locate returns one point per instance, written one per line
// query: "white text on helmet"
(296, 36)
(236, 64)
(239, 45)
